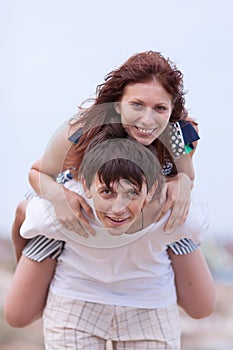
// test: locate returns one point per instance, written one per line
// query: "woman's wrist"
(53, 192)
(182, 176)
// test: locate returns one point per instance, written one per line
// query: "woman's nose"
(148, 116)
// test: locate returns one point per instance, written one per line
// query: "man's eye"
(106, 191)
(133, 193)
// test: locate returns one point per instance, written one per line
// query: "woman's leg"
(19, 242)
(28, 291)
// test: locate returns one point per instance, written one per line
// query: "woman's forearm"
(44, 185)
(43, 173)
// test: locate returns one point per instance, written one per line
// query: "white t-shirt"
(128, 270)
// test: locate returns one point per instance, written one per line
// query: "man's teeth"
(145, 131)
(117, 219)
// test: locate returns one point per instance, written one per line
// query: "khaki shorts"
(73, 324)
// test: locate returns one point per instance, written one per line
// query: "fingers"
(178, 200)
(167, 205)
(178, 216)
(74, 226)
(163, 194)
(80, 227)
(74, 216)
(86, 208)
(84, 224)
(87, 228)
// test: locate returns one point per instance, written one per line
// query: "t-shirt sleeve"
(40, 220)
(40, 247)
(183, 246)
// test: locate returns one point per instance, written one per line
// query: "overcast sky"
(54, 53)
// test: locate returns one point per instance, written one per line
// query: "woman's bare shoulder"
(73, 125)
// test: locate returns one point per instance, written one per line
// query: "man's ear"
(85, 187)
(151, 192)
(117, 107)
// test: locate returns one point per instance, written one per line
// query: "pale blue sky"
(54, 53)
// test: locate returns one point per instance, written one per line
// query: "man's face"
(119, 206)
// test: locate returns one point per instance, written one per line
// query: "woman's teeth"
(145, 131)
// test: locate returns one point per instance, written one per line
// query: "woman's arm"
(194, 284)
(42, 177)
(179, 189)
(178, 200)
(28, 291)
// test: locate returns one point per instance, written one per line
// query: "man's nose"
(119, 205)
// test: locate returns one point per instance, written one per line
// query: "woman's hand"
(69, 207)
(178, 192)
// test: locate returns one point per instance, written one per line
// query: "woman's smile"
(145, 110)
(144, 131)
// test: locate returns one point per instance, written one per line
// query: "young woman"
(145, 95)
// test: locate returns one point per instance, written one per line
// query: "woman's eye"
(136, 105)
(161, 108)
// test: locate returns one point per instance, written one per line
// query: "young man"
(118, 284)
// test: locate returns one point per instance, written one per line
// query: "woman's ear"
(117, 107)
(85, 187)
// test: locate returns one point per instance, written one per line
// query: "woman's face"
(145, 110)
(119, 206)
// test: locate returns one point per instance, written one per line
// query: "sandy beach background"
(212, 333)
